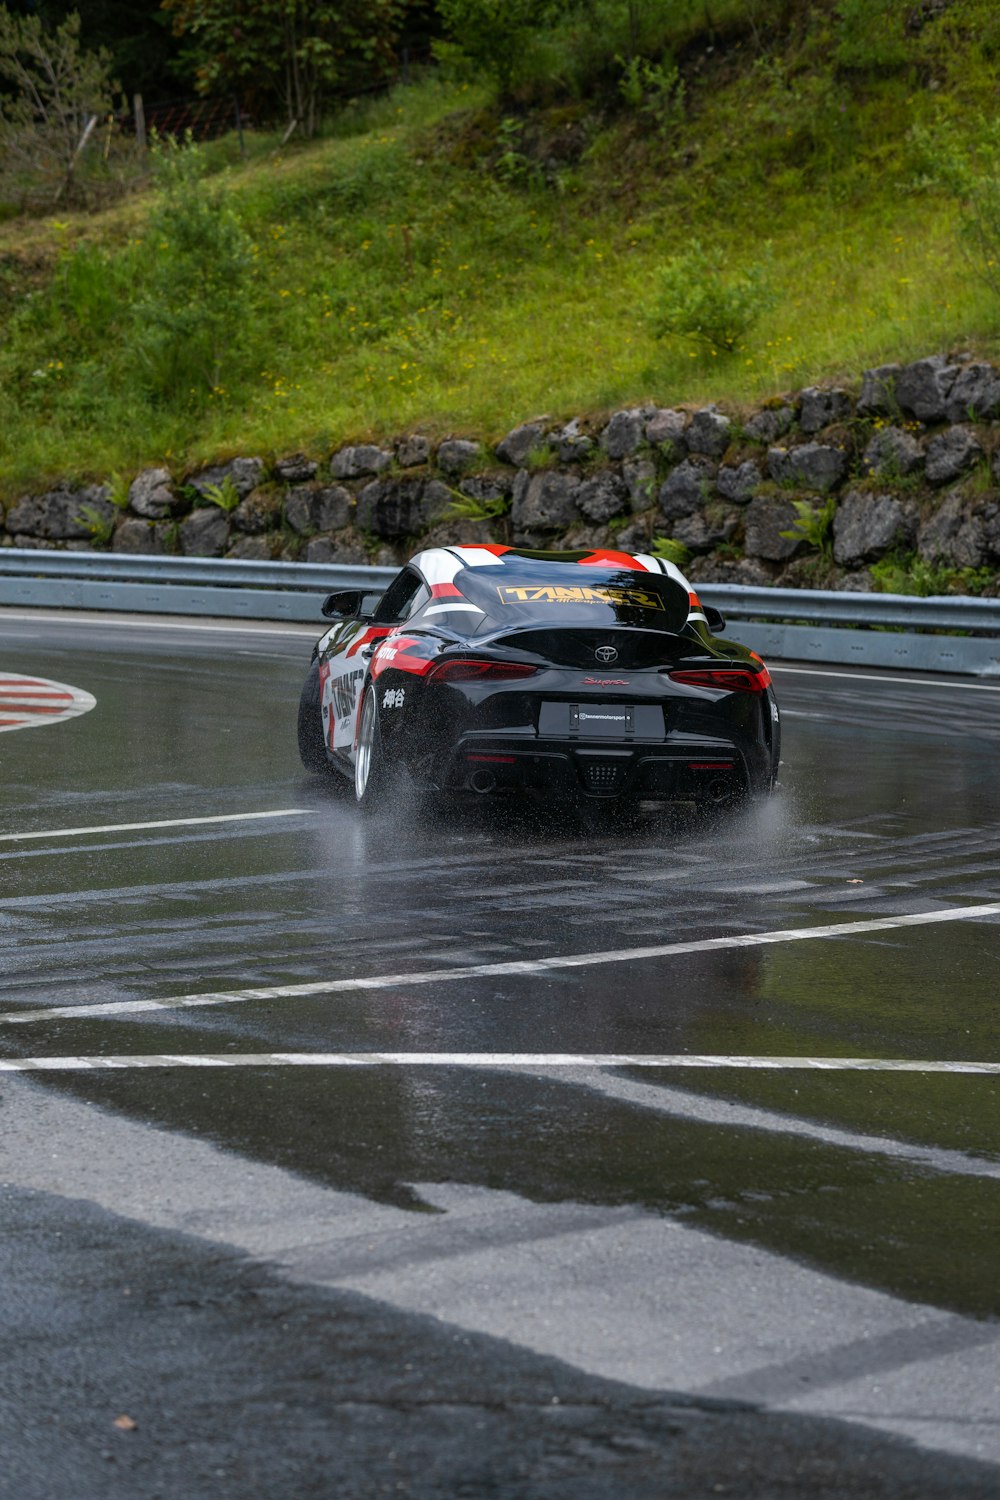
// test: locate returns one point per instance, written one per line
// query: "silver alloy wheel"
(366, 737)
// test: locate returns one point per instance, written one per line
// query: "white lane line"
(532, 967)
(65, 833)
(486, 1060)
(709, 1109)
(878, 680)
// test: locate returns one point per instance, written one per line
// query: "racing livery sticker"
(404, 653)
(549, 593)
(448, 600)
(338, 695)
(29, 702)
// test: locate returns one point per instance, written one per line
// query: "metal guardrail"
(872, 630)
(203, 586)
(884, 632)
(823, 606)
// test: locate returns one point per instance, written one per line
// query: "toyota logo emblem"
(606, 654)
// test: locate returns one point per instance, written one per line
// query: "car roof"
(440, 566)
(443, 564)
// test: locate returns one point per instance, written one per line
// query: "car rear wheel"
(370, 776)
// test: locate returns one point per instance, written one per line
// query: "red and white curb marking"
(27, 702)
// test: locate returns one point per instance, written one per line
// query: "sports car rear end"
(596, 682)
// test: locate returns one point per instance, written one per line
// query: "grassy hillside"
(444, 262)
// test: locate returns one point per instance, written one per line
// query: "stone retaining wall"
(908, 466)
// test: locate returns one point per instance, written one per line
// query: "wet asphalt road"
(518, 1281)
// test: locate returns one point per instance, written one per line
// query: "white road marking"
(116, 1062)
(526, 966)
(875, 677)
(65, 833)
(680, 1310)
(709, 1109)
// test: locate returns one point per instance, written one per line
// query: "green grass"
(398, 283)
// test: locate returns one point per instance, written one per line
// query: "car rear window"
(524, 592)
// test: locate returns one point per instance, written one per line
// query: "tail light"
(728, 679)
(467, 670)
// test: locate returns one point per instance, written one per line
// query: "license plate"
(601, 721)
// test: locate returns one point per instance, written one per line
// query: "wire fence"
(110, 157)
(207, 119)
(202, 119)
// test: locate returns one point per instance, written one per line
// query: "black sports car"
(491, 669)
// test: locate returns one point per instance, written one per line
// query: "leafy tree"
(296, 50)
(54, 87)
(493, 33)
(135, 32)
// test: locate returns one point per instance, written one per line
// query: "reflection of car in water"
(491, 669)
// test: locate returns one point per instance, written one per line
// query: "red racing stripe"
(616, 559)
(398, 655)
(446, 591)
(374, 633)
(33, 693)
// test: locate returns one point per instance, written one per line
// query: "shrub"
(512, 165)
(466, 508)
(671, 551)
(655, 90)
(814, 524)
(100, 526)
(973, 179)
(225, 495)
(697, 300)
(870, 36)
(191, 308)
(909, 573)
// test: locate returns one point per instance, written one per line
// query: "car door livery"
(343, 665)
(345, 657)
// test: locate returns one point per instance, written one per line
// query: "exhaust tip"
(482, 781)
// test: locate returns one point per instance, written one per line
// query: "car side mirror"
(714, 619)
(349, 604)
